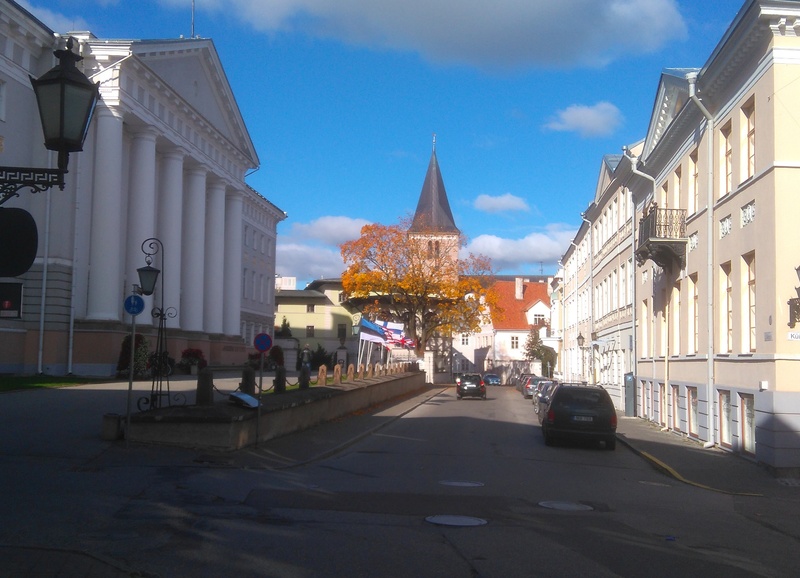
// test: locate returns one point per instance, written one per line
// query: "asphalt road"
(432, 486)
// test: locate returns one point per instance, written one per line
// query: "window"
(726, 160)
(244, 284)
(694, 184)
(725, 418)
(341, 331)
(2, 100)
(310, 308)
(538, 319)
(750, 265)
(309, 331)
(11, 300)
(675, 418)
(749, 138)
(662, 409)
(676, 193)
(514, 342)
(691, 398)
(748, 418)
(676, 319)
(645, 327)
(726, 332)
(465, 339)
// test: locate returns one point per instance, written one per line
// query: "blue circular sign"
(262, 342)
(134, 305)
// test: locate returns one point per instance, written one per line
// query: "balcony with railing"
(662, 236)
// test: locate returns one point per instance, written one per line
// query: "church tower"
(433, 227)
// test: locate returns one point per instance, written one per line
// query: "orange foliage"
(419, 280)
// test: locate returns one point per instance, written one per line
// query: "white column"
(105, 291)
(215, 255)
(193, 259)
(142, 211)
(169, 229)
(232, 309)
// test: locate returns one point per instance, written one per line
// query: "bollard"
(248, 383)
(304, 378)
(205, 387)
(279, 383)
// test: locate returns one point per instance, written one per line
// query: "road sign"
(134, 305)
(262, 342)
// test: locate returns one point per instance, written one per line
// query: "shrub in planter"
(192, 357)
(140, 355)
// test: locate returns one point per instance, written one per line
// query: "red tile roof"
(513, 317)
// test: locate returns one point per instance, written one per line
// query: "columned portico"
(234, 203)
(104, 297)
(193, 259)
(214, 253)
(170, 227)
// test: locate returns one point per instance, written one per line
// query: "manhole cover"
(450, 520)
(566, 506)
(461, 484)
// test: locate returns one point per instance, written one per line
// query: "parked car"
(520, 381)
(578, 412)
(530, 383)
(543, 389)
(492, 379)
(471, 385)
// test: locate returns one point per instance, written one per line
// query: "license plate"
(582, 418)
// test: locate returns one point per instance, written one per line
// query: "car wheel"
(611, 443)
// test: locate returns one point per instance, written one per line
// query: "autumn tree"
(417, 280)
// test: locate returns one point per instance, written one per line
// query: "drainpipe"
(635, 170)
(45, 268)
(691, 78)
(591, 294)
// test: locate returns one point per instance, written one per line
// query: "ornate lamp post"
(66, 100)
(581, 340)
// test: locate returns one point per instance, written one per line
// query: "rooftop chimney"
(518, 288)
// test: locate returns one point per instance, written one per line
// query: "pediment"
(671, 97)
(192, 69)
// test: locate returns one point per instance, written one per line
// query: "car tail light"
(614, 419)
(551, 416)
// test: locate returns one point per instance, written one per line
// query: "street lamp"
(581, 340)
(66, 101)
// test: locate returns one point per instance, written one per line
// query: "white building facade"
(165, 158)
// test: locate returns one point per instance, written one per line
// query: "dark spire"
(433, 213)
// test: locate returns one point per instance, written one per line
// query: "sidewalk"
(689, 462)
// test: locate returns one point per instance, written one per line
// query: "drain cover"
(566, 506)
(461, 484)
(450, 520)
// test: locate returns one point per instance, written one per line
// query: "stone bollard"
(322, 376)
(205, 388)
(304, 379)
(350, 372)
(279, 383)
(361, 371)
(248, 383)
(337, 374)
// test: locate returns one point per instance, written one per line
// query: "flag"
(368, 331)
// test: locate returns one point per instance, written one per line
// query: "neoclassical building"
(166, 157)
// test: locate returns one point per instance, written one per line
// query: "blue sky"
(342, 98)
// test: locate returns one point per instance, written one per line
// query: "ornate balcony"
(662, 236)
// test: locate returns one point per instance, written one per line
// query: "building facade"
(714, 297)
(165, 158)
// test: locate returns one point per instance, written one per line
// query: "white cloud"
(58, 23)
(507, 202)
(516, 255)
(498, 34)
(307, 262)
(331, 230)
(602, 119)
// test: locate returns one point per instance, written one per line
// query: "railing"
(663, 224)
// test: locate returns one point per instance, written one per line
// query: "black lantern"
(148, 275)
(66, 100)
(581, 340)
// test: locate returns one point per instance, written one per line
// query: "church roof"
(433, 213)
